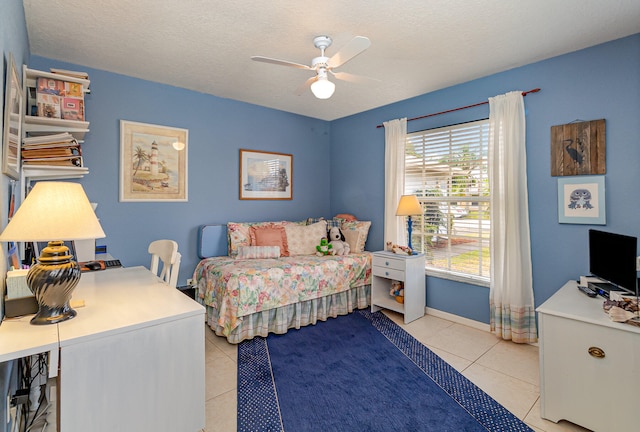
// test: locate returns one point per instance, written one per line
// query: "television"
(612, 258)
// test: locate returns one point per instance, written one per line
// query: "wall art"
(265, 175)
(12, 135)
(153, 162)
(578, 148)
(581, 200)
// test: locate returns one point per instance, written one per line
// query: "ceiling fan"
(320, 85)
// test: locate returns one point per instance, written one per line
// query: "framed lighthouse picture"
(153, 162)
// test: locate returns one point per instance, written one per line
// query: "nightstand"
(409, 269)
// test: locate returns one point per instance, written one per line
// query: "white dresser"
(409, 269)
(589, 365)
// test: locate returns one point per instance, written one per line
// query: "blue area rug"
(358, 372)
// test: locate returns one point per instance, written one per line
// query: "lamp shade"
(322, 88)
(408, 206)
(54, 211)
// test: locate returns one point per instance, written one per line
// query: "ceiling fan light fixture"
(322, 88)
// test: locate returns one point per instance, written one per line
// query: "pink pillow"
(270, 235)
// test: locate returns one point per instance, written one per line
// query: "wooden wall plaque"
(578, 148)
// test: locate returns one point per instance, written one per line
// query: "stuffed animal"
(397, 291)
(337, 241)
(324, 248)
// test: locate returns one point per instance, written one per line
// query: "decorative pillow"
(270, 235)
(346, 217)
(302, 240)
(355, 240)
(334, 223)
(331, 223)
(247, 252)
(239, 235)
(362, 227)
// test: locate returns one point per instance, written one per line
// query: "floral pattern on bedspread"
(237, 288)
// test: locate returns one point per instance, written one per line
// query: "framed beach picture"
(581, 200)
(265, 175)
(153, 162)
(12, 134)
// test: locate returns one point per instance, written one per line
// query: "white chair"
(167, 252)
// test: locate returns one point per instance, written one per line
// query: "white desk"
(131, 360)
(20, 339)
(597, 392)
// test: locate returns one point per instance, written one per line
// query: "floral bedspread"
(237, 287)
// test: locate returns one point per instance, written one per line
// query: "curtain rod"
(535, 90)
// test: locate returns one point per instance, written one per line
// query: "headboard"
(212, 241)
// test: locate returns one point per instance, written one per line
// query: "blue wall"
(339, 165)
(595, 83)
(218, 128)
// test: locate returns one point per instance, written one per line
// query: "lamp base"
(52, 281)
(52, 315)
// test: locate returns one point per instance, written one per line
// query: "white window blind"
(447, 168)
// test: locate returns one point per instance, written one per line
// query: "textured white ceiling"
(417, 46)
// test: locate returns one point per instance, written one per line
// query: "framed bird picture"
(581, 200)
(578, 148)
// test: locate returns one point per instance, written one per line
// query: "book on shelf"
(51, 152)
(48, 138)
(50, 86)
(71, 161)
(52, 145)
(72, 108)
(71, 73)
(48, 105)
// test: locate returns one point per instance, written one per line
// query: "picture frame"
(579, 148)
(153, 162)
(581, 200)
(12, 131)
(265, 175)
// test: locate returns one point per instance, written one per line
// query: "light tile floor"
(506, 371)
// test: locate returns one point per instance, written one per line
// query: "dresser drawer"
(388, 273)
(390, 263)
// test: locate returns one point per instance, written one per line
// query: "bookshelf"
(34, 125)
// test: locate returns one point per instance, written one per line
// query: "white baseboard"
(457, 319)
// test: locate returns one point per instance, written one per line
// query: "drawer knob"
(596, 352)
(386, 273)
(386, 263)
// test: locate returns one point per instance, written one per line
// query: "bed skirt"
(281, 319)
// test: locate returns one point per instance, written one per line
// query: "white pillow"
(354, 239)
(303, 239)
(250, 252)
(350, 228)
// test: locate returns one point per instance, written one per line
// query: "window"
(447, 168)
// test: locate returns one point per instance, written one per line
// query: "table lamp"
(409, 206)
(53, 210)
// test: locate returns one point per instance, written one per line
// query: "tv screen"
(612, 257)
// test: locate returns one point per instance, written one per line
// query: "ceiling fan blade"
(305, 86)
(280, 62)
(354, 47)
(358, 79)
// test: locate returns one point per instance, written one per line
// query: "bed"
(251, 290)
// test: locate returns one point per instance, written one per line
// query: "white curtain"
(511, 294)
(395, 134)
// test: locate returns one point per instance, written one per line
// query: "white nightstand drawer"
(387, 262)
(388, 273)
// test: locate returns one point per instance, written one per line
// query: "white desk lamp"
(53, 210)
